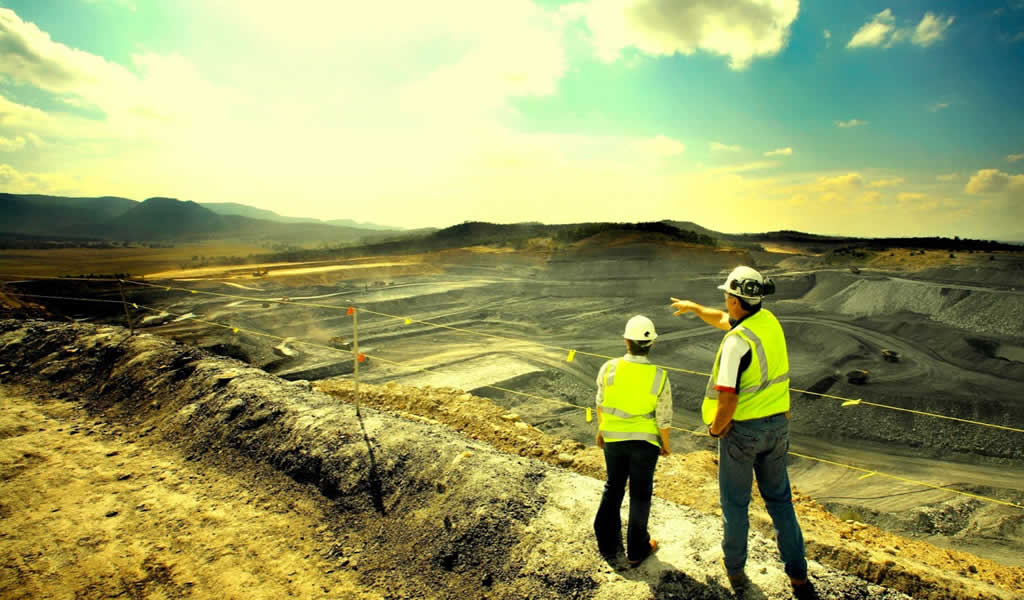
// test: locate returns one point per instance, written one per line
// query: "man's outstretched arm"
(711, 316)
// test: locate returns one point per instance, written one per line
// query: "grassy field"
(135, 261)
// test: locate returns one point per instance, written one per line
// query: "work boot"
(803, 589)
(737, 579)
(636, 562)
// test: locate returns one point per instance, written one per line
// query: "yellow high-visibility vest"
(764, 385)
(630, 401)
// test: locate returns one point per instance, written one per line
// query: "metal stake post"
(124, 303)
(355, 354)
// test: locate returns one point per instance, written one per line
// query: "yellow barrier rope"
(906, 480)
(543, 398)
(407, 320)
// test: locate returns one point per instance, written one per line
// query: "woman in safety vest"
(634, 413)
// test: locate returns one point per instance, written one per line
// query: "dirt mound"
(437, 513)
(964, 307)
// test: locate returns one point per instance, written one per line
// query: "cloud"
(881, 30)
(720, 147)
(660, 146)
(931, 29)
(874, 32)
(947, 177)
(909, 196)
(841, 183)
(14, 114)
(742, 30)
(758, 165)
(850, 123)
(516, 52)
(11, 144)
(880, 183)
(780, 152)
(1015, 157)
(161, 88)
(31, 57)
(990, 181)
(938, 106)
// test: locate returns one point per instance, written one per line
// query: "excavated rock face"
(423, 510)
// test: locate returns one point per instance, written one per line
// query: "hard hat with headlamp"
(748, 284)
(640, 329)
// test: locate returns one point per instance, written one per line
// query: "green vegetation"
(495, 235)
(582, 232)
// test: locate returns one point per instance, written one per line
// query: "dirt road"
(88, 510)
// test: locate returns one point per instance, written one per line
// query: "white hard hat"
(747, 284)
(640, 329)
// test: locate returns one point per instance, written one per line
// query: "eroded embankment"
(438, 514)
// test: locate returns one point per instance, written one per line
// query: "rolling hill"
(49, 215)
(244, 210)
(52, 218)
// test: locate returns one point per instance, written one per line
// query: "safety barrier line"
(409, 319)
(576, 352)
(21, 295)
(907, 480)
(572, 351)
(543, 398)
(49, 278)
(918, 412)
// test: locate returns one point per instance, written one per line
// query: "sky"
(856, 118)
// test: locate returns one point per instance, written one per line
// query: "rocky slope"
(435, 512)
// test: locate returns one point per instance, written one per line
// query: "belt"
(763, 418)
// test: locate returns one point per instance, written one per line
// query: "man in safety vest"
(746, 406)
(634, 414)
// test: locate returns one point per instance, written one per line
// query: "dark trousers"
(633, 461)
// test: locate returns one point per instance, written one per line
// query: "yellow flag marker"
(866, 476)
(851, 402)
(408, 321)
(135, 305)
(167, 289)
(234, 330)
(590, 416)
(572, 355)
(193, 291)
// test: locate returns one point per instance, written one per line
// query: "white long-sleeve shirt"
(663, 412)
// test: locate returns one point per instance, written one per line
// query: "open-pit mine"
(468, 469)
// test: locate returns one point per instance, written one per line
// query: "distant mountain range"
(37, 219)
(243, 210)
(166, 219)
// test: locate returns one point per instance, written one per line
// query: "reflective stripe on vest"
(628, 408)
(764, 385)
